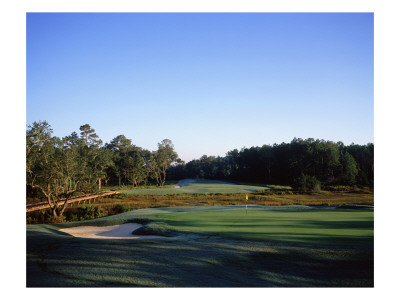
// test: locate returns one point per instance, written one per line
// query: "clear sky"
(209, 82)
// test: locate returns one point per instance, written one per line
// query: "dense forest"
(57, 168)
(305, 164)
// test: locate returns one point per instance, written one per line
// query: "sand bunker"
(123, 231)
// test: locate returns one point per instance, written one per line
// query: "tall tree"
(350, 170)
(102, 162)
(89, 147)
(89, 136)
(163, 157)
(120, 146)
(51, 166)
(138, 165)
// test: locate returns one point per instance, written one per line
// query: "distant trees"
(57, 168)
(138, 165)
(350, 170)
(296, 163)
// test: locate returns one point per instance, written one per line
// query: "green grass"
(307, 226)
(217, 247)
(199, 186)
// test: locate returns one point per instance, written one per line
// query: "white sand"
(123, 231)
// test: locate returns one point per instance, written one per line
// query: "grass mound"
(156, 228)
(142, 221)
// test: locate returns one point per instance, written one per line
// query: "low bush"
(73, 218)
(57, 220)
(118, 209)
(338, 188)
(307, 183)
(120, 196)
(156, 228)
(38, 217)
(87, 212)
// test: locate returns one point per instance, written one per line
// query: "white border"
(12, 24)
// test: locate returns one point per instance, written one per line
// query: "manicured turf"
(333, 227)
(267, 247)
(199, 186)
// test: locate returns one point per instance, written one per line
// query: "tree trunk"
(54, 212)
(157, 177)
(164, 174)
(163, 179)
(119, 180)
(63, 208)
(52, 207)
(99, 184)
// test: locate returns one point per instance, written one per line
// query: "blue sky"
(209, 82)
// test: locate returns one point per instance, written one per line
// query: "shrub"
(56, 220)
(119, 208)
(38, 217)
(121, 196)
(74, 218)
(307, 183)
(338, 188)
(87, 212)
(156, 228)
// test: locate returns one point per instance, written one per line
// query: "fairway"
(199, 186)
(224, 246)
(324, 227)
(198, 149)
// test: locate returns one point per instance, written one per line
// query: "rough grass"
(212, 259)
(213, 192)
(278, 198)
(273, 199)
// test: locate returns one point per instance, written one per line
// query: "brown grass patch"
(324, 198)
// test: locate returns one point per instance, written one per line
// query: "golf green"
(199, 186)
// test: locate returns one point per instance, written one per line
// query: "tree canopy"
(287, 163)
(56, 168)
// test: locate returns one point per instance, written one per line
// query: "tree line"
(56, 168)
(301, 163)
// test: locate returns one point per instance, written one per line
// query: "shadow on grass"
(56, 260)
